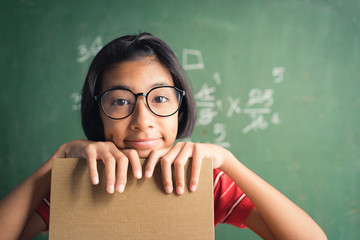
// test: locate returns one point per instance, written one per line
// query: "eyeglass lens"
(120, 103)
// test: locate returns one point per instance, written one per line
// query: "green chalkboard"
(276, 82)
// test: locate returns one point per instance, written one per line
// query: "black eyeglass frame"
(136, 95)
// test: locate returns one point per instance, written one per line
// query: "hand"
(178, 155)
(113, 159)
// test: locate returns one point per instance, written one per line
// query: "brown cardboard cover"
(143, 211)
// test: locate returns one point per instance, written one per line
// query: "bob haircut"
(133, 48)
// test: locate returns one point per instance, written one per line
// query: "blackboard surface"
(276, 82)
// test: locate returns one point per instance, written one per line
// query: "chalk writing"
(85, 53)
(257, 122)
(258, 107)
(258, 97)
(76, 101)
(210, 107)
(217, 78)
(278, 73)
(275, 119)
(234, 106)
(206, 103)
(220, 130)
(190, 54)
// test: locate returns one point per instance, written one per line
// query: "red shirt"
(231, 205)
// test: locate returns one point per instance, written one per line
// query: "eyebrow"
(121, 86)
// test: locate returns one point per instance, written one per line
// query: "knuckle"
(180, 144)
(155, 152)
(121, 159)
(167, 182)
(93, 173)
(89, 148)
(188, 144)
(131, 152)
(196, 167)
(165, 160)
(179, 164)
(122, 181)
(98, 144)
(108, 158)
(197, 147)
(110, 180)
(180, 179)
(194, 180)
(90, 161)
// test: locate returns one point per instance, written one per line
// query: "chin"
(144, 153)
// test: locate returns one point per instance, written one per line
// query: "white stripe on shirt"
(46, 201)
(217, 179)
(234, 206)
(232, 184)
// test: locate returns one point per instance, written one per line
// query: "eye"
(160, 99)
(120, 102)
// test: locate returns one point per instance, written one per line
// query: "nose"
(142, 118)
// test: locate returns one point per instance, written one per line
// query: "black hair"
(132, 48)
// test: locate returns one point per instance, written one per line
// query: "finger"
(122, 164)
(153, 160)
(121, 173)
(179, 175)
(92, 165)
(196, 168)
(180, 162)
(166, 163)
(166, 174)
(134, 159)
(110, 165)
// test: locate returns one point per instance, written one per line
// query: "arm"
(18, 219)
(273, 211)
(18, 207)
(274, 215)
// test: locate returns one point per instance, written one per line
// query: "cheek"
(107, 130)
(105, 122)
(171, 129)
(112, 128)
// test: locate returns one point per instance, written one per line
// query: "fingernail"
(138, 174)
(168, 189)
(147, 174)
(179, 190)
(120, 188)
(193, 188)
(110, 189)
(95, 180)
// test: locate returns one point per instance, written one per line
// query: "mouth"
(143, 143)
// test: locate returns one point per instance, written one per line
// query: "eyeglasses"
(120, 103)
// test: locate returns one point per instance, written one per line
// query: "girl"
(135, 103)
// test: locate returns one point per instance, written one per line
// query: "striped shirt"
(231, 205)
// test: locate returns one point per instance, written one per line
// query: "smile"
(143, 143)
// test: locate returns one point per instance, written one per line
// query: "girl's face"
(142, 130)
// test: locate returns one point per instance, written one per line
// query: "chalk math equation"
(256, 109)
